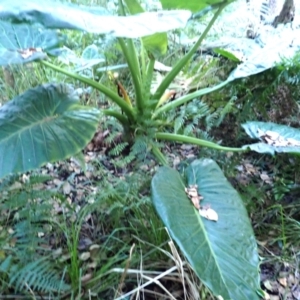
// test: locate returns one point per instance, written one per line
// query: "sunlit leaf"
(193, 5)
(273, 137)
(223, 253)
(20, 44)
(44, 124)
(53, 14)
(156, 43)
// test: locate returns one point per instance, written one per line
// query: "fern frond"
(117, 150)
(178, 123)
(140, 146)
(225, 111)
(5, 265)
(188, 129)
(124, 161)
(111, 137)
(39, 275)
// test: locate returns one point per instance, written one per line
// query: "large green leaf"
(156, 43)
(24, 43)
(193, 5)
(54, 14)
(274, 137)
(223, 254)
(42, 125)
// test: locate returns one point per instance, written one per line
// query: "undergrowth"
(104, 245)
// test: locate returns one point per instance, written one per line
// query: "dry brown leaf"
(84, 256)
(266, 295)
(208, 214)
(274, 297)
(282, 281)
(26, 53)
(265, 178)
(275, 139)
(66, 188)
(192, 192)
(85, 278)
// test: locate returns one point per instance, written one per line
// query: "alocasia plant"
(47, 124)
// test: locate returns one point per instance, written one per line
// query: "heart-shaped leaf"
(44, 124)
(223, 253)
(156, 43)
(274, 137)
(53, 14)
(20, 44)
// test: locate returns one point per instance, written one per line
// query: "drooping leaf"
(223, 254)
(156, 43)
(53, 14)
(263, 59)
(273, 137)
(44, 124)
(90, 58)
(20, 44)
(193, 5)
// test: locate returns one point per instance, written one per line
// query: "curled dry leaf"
(192, 193)
(84, 256)
(208, 214)
(87, 277)
(275, 139)
(283, 281)
(25, 53)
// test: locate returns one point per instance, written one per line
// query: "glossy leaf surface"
(20, 44)
(156, 43)
(193, 5)
(54, 14)
(223, 254)
(44, 124)
(287, 134)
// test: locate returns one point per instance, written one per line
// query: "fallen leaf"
(266, 295)
(265, 177)
(283, 281)
(66, 188)
(86, 277)
(192, 192)
(208, 214)
(274, 297)
(275, 139)
(84, 256)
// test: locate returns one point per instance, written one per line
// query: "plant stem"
(181, 100)
(181, 63)
(190, 140)
(158, 154)
(143, 61)
(98, 86)
(131, 57)
(121, 118)
(148, 77)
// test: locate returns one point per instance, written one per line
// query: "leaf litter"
(204, 211)
(273, 138)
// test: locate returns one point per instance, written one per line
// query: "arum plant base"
(223, 254)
